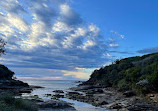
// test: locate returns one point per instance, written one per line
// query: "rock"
(103, 103)
(98, 90)
(153, 97)
(54, 104)
(114, 106)
(25, 90)
(90, 92)
(37, 100)
(82, 87)
(142, 107)
(74, 93)
(48, 95)
(95, 84)
(58, 96)
(58, 91)
(12, 84)
(142, 83)
(95, 91)
(35, 96)
(36, 87)
(78, 81)
(17, 83)
(123, 109)
(129, 93)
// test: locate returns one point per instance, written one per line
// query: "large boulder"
(142, 83)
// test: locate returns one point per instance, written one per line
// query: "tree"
(2, 48)
(5, 73)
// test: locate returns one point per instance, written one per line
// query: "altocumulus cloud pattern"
(49, 34)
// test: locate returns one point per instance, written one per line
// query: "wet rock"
(115, 106)
(25, 90)
(48, 95)
(142, 107)
(83, 87)
(73, 93)
(129, 93)
(78, 81)
(12, 84)
(58, 91)
(37, 100)
(103, 103)
(123, 109)
(54, 104)
(98, 91)
(58, 96)
(95, 91)
(35, 96)
(36, 87)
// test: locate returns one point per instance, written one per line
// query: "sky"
(68, 39)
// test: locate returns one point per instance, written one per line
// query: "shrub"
(127, 72)
(123, 84)
(9, 103)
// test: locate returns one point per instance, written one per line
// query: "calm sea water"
(51, 85)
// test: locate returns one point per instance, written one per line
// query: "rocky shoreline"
(15, 86)
(113, 99)
(109, 98)
(18, 88)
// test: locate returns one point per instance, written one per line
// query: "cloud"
(109, 55)
(49, 34)
(69, 16)
(117, 34)
(43, 78)
(148, 50)
(121, 52)
(113, 45)
(76, 74)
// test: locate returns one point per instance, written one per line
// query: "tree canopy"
(2, 48)
(126, 73)
(5, 73)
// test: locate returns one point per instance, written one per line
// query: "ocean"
(51, 85)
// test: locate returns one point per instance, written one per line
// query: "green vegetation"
(127, 73)
(2, 49)
(5, 73)
(9, 103)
